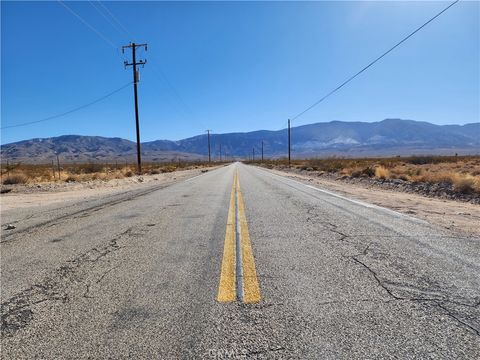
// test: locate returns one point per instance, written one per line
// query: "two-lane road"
(236, 263)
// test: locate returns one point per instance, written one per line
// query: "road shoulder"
(453, 215)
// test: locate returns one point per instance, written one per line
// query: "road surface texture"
(211, 268)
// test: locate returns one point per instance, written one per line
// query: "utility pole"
(58, 167)
(209, 156)
(253, 153)
(136, 76)
(262, 150)
(220, 152)
(289, 142)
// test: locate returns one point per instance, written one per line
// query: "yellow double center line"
(238, 277)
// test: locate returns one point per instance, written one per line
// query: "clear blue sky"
(235, 66)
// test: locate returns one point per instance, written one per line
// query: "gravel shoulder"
(462, 217)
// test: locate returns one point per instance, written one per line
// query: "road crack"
(438, 302)
(86, 294)
(16, 313)
(450, 313)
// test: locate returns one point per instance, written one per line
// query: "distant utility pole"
(220, 152)
(253, 153)
(58, 167)
(289, 155)
(209, 156)
(136, 77)
(262, 150)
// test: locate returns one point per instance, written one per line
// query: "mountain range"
(387, 137)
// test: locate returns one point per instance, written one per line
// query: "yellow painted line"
(251, 288)
(226, 289)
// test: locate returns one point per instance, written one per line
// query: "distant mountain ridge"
(387, 137)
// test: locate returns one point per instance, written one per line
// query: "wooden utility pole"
(58, 167)
(209, 155)
(289, 154)
(136, 76)
(262, 150)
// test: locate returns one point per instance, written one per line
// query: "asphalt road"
(149, 274)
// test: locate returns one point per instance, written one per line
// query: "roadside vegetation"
(461, 172)
(12, 174)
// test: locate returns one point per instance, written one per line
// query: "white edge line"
(358, 202)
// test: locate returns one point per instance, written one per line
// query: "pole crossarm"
(140, 62)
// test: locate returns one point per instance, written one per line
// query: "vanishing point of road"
(235, 263)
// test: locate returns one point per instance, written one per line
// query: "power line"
(87, 24)
(158, 70)
(163, 76)
(374, 61)
(115, 26)
(91, 27)
(116, 20)
(70, 111)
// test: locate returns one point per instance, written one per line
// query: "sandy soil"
(454, 215)
(50, 193)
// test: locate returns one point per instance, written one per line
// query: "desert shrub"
(441, 177)
(168, 169)
(356, 173)
(90, 168)
(464, 186)
(368, 171)
(75, 170)
(117, 175)
(70, 178)
(421, 160)
(382, 172)
(129, 173)
(15, 179)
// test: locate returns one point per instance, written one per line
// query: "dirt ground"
(454, 215)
